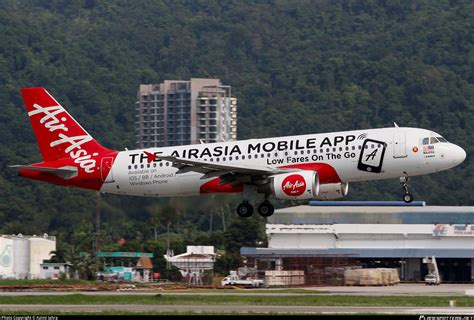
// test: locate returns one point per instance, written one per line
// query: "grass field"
(21, 282)
(320, 300)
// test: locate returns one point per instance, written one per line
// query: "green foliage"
(296, 67)
(226, 263)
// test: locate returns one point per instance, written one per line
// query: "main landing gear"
(407, 197)
(245, 209)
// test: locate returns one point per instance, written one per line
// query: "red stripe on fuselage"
(92, 181)
(214, 187)
(327, 174)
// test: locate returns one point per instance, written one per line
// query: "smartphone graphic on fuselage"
(371, 156)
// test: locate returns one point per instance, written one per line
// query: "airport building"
(370, 235)
(185, 112)
(21, 256)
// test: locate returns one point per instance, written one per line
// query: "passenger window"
(243, 157)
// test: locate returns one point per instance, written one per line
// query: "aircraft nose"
(458, 155)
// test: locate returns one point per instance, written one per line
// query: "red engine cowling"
(303, 184)
(333, 191)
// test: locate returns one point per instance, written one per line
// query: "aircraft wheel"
(407, 197)
(266, 209)
(245, 210)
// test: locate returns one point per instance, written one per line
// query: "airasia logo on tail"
(49, 119)
(294, 185)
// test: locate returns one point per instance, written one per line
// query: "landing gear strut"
(407, 197)
(245, 209)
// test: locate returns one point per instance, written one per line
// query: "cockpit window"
(433, 140)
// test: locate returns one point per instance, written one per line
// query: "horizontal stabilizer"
(66, 172)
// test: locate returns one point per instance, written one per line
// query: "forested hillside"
(296, 67)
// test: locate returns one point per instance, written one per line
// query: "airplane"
(313, 166)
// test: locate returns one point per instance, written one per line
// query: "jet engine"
(333, 190)
(303, 184)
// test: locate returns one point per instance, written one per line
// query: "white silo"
(21, 256)
(6, 257)
(40, 249)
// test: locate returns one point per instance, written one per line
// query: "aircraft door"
(399, 144)
(106, 170)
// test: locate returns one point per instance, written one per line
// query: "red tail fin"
(59, 136)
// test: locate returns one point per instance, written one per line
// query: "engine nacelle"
(333, 191)
(303, 184)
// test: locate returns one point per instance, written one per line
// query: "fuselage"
(349, 156)
(315, 166)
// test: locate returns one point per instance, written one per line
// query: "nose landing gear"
(407, 197)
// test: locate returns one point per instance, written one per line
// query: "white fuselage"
(360, 155)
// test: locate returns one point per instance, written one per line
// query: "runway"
(398, 290)
(238, 309)
(448, 290)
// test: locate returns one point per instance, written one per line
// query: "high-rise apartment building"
(185, 112)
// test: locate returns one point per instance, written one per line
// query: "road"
(239, 309)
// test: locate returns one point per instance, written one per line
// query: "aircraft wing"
(212, 169)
